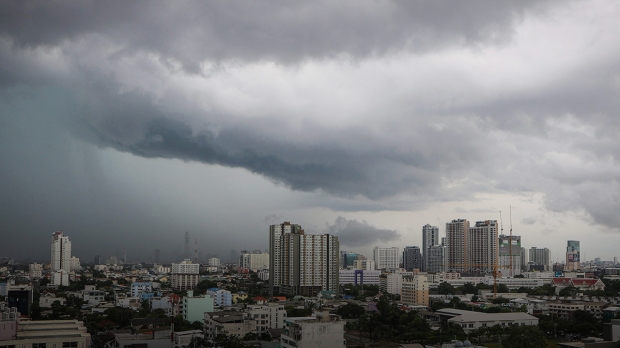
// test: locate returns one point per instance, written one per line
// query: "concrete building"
(386, 258)
(233, 322)
(46, 299)
(75, 263)
(347, 259)
(435, 259)
(540, 256)
(214, 262)
(456, 243)
(362, 263)
(323, 330)
(267, 316)
(194, 308)
(244, 260)
(359, 277)
(415, 291)
(412, 258)
(482, 246)
(221, 297)
(510, 254)
(60, 259)
(259, 260)
(46, 333)
(35, 270)
(185, 275)
(302, 264)
(572, 256)
(430, 237)
(138, 289)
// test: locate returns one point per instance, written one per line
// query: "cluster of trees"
(361, 292)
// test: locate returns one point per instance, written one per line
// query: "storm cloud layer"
(358, 106)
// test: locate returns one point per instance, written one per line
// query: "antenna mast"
(510, 247)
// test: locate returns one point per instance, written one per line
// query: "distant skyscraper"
(302, 264)
(456, 243)
(541, 257)
(186, 251)
(482, 246)
(60, 259)
(572, 255)
(97, 259)
(436, 259)
(412, 258)
(157, 256)
(386, 258)
(430, 237)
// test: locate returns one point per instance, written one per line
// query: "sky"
(127, 124)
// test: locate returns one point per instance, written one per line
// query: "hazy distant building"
(36, 270)
(541, 257)
(259, 260)
(97, 260)
(386, 257)
(435, 262)
(456, 242)
(157, 256)
(430, 237)
(347, 259)
(60, 259)
(572, 255)
(302, 264)
(185, 275)
(244, 260)
(412, 258)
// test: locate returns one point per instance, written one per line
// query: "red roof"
(280, 298)
(259, 298)
(579, 281)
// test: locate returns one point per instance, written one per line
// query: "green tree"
(469, 288)
(351, 311)
(502, 288)
(524, 337)
(445, 289)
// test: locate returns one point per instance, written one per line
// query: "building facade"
(456, 242)
(60, 259)
(430, 237)
(435, 262)
(482, 246)
(510, 255)
(302, 264)
(540, 256)
(572, 255)
(412, 258)
(185, 275)
(415, 291)
(386, 258)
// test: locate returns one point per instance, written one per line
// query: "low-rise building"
(268, 316)
(49, 333)
(232, 322)
(415, 291)
(221, 297)
(194, 308)
(322, 330)
(469, 320)
(46, 300)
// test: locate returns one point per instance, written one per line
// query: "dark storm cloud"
(283, 31)
(353, 233)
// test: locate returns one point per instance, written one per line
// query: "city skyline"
(127, 125)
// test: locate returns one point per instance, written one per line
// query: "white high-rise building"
(304, 264)
(61, 252)
(259, 260)
(386, 258)
(60, 259)
(430, 237)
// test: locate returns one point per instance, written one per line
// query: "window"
(69, 344)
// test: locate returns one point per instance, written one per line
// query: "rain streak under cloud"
(127, 124)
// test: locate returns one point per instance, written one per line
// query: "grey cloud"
(353, 233)
(283, 31)
(529, 221)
